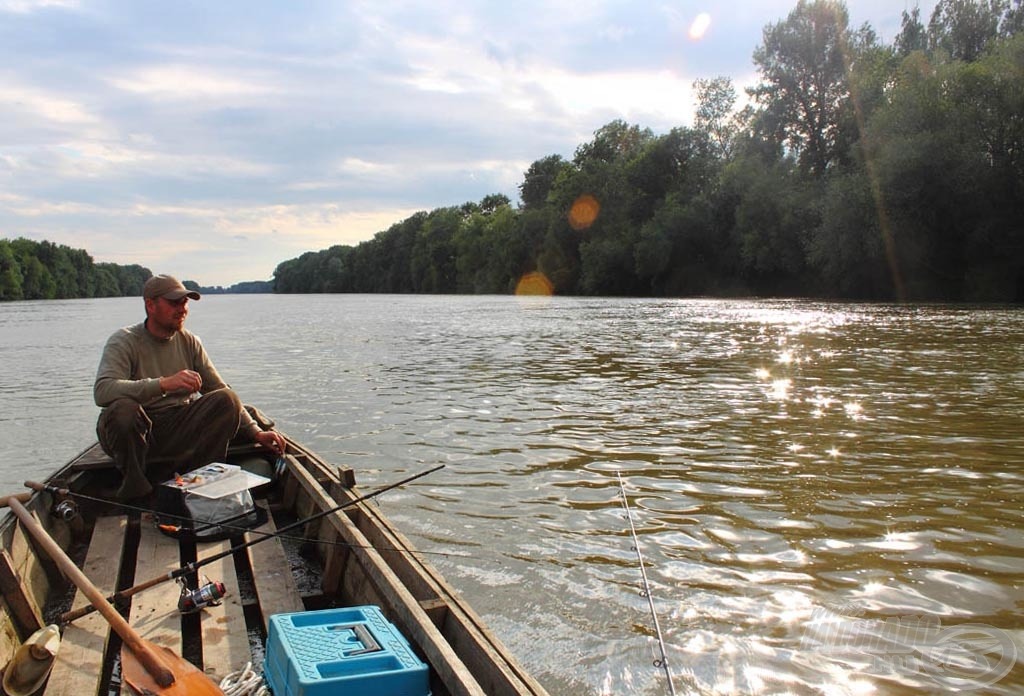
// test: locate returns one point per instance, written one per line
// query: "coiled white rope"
(244, 682)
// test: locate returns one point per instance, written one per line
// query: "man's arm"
(212, 381)
(114, 376)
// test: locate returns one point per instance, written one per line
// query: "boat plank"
(77, 669)
(225, 638)
(272, 575)
(398, 604)
(19, 600)
(9, 638)
(30, 569)
(92, 458)
(463, 628)
(154, 612)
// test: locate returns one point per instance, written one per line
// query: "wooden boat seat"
(225, 642)
(95, 458)
(339, 551)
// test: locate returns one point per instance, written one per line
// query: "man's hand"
(187, 381)
(272, 440)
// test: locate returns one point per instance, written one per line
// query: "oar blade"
(189, 680)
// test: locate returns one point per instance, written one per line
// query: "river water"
(828, 497)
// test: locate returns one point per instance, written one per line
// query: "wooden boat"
(350, 557)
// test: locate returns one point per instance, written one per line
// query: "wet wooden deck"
(217, 639)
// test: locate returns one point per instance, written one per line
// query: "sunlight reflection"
(845, 683)
(780, 389)
(763, 374)
(896, 541)
(853, 410)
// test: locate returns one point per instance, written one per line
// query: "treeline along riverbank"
(31, 270)
(858, 170)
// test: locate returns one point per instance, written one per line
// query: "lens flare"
(700, 26)
(535, 283)
(584, 212)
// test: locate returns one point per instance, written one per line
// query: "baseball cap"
(167, 286)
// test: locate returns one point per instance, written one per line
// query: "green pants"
(151, 446)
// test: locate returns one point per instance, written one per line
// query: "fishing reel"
(207, 595)
(66, 510)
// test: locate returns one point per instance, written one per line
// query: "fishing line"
(206, 524)
(646, 590)
(192, 567)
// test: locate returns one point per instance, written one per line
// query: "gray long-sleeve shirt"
(134, 360)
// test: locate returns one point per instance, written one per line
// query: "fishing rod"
(67, 513)
(192, 567)
(646, 590)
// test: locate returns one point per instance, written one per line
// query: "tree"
(803, 63)
(432, 265)
(677, 162)
(716, 100)
(850, 248)
(963, 29)
(774, 214)
(681, 248)
(1013, 20)
(10, 273)
(912, 36)
(614, 141)
(493, 202)
(539, 180)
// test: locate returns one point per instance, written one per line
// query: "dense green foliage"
(248, 287)
(45, 271)
(859, 170)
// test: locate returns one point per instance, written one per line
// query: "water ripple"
(784, 462)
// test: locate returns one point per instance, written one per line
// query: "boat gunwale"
(446, 625)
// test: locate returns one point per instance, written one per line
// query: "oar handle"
(86, 609)
(149, 659)
(20, 497)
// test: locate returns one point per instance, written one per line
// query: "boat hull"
(347, 554)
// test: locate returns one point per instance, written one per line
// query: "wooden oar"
(20, 497)
(163, 671)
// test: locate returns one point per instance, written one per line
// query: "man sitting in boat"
(162, 397)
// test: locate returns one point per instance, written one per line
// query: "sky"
(213, 140)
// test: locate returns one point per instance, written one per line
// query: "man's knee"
(123, 416)
(225, 399)
(220, 411)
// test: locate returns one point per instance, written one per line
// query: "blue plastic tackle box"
(353, 651)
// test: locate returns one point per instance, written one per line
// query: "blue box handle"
(363, 635)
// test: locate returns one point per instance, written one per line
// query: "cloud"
(216, 140)
(29, 6)
(190, 82)
(34, 103)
